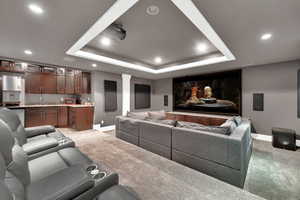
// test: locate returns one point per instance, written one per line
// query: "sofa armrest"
(36, 146)
(64, 185)
(240, 146)
(39, 130)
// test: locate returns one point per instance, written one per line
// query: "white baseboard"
(104, 128)
(268, 138)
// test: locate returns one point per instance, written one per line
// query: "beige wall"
(278, 82)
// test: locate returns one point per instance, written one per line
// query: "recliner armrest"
(36, 146)
(39, 130)
(63, 185)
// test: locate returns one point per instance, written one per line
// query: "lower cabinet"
(62, 116)
(41, 116)
(81, 118)
(77, 117)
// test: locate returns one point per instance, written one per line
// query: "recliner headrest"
(10, 118)
(14, 123)
(6, 142)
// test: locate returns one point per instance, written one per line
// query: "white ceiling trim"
(187, 7)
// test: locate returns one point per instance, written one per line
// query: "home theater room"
(149, 100)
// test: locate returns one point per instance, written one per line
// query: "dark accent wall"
(142, 95)
(110, 93)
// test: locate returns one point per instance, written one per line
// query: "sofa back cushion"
(169, 122)
(215, 129)
(138, 115)
(157, 115)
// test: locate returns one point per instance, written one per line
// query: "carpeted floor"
(273, 173)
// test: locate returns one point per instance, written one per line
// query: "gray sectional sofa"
(223, 156)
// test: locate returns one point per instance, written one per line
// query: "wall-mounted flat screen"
(218, 93)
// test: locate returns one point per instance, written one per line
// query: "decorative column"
(125, 93)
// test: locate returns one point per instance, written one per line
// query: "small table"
(284, 138)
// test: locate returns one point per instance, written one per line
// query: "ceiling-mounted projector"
(117, 30)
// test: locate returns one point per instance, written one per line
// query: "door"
(33, 117)
(86, 83)
(69, 84)
(61, 84)
(78, 82)
(33, 83)
(50, 116)
(48, 82)
(62, 116)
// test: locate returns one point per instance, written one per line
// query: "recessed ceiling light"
(153, 10)
(94, 65)
(157, 60)
(266, 36)
(28, 52)
(105, 41)
(201, 47)
(36, 9)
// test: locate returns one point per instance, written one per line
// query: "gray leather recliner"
(70, 182)
(35, 141)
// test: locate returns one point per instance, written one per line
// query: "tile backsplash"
(45, 98)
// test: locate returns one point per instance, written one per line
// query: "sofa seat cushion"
(157, 115)
(64, 185)
(49, 164)
(215, 129)
(39, 145)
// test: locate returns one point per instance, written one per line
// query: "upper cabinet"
(10, 66)
(86, 82)
(50, 80)
(69, 81)
(41, 81)
(78, 82)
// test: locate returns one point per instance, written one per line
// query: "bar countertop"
(49, 105)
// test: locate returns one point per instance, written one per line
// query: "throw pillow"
(158, 115)
(138, 115)
(230, 124)
(238, 120)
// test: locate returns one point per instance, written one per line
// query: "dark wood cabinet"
(40, 83)
(81, 118)
(62, 116)
(61, 84)
(78, 82)
(41, 116)
(69, 84)
(33, 83)
(48, 83)
(51, 116)
(48, 80)
(86, 83)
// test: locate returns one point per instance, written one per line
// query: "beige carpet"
(153, 177)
